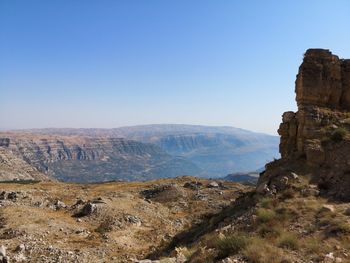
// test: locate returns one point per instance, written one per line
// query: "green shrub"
(339, 134)
(337, 227)
(230, 245)
(260, 251)
(284, 213)
(265, 215)
(289, 241)
(270, 231)
(268, 202)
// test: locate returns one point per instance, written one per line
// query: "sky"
(115, 63)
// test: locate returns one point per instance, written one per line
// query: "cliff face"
(315, 139)
(216, 150)
(14, 168)
(83, 159)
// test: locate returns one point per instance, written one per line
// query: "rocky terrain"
(15, 168)
(217, 151)
(315, 140)
(85, 159)
(299, 211)
(110, 222)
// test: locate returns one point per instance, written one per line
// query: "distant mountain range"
(142, 152)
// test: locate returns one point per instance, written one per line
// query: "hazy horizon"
(87, 64)
(131, 126)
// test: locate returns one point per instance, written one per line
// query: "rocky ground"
(110, 222)
(296, 224)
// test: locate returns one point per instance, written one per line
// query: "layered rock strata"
(315, 139)
(86, 159)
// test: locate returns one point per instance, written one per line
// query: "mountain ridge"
(217, 150)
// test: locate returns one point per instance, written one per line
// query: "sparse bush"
(284, 213)
(202, 255)
(260, 251)
(289, 241)
(337, 227)
(270, 231)
(288, 194)
(265, 215)
(312, 245)
(230, 245)
(267, 202)
(106, 225)
(339, 134)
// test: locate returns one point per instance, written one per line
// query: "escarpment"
(315, 140)
(86, 159)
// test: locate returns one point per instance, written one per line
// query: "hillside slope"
(15, 168)
(111, 222)
(83, 159)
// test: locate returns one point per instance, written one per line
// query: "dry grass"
(260, 251)
(288, 240)
(265, 215)
(230, 245)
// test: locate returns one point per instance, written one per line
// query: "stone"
(20, 248)
(294, 176)
(194, 185)
(331, 258)
(328, 208)
(213, 185)
(19, 258)
(135, 220)
(262, 188)
(12, 196)
(347, 211)
(2, 251)
(59, 205)
(88, 209)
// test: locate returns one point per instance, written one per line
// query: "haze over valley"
(140, 152)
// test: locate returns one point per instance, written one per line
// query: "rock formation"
(87, 159)
(15, 168)
(314, 140)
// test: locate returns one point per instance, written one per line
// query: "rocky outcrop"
(13, 168)
(315, 138)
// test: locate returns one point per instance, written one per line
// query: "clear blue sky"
(107, 63)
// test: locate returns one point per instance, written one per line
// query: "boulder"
(328, 208)
(194, 185)
(88, 209)
(213, 185)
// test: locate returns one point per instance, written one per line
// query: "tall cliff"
(217, 150)
(315, 140)
(84, 159)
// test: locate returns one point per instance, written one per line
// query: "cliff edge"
(315, 140)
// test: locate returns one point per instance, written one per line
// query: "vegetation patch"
(230, 245)
(260, 251)
(265, 215)
(339, 134)
(289, 241)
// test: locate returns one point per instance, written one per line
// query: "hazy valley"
(140, 152)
